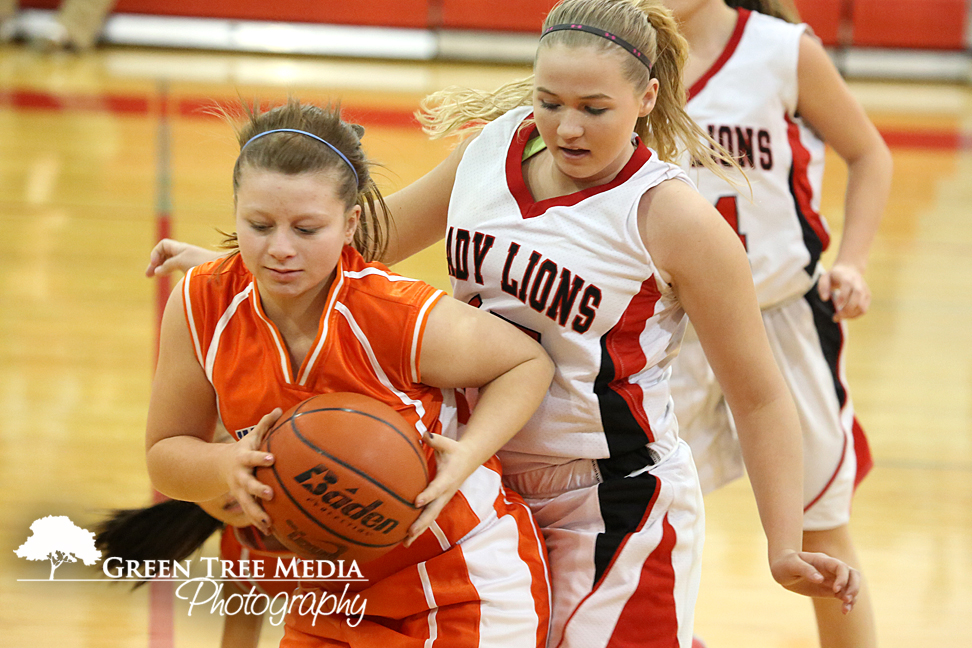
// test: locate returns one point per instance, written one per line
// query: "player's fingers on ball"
(254, 513)
(257, 458)
(432, 491)
(428, 516)
(258, 489)
(265, 424)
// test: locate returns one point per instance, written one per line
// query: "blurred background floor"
(78, 190)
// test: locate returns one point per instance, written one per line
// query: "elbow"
(545, 368)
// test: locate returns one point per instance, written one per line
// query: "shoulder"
(216, 281)
(374, 282)
(219, 274)
(812, 55)
(678, 225)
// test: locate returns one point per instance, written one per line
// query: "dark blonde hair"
(649, 27)
(294, 153)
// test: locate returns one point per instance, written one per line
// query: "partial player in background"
(765, 89)
(76, 26)
(296, 310)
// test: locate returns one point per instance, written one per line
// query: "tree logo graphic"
(58, 539)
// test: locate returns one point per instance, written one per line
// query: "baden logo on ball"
(346, 471)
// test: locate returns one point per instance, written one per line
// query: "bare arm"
(419, 212)
(466, 347)
(697, 251)
(182, 463)
(827, 104)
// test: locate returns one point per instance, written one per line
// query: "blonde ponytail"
(463, 111)
(650, 28)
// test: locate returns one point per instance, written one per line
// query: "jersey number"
(727, 207)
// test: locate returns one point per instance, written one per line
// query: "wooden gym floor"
(78, 193)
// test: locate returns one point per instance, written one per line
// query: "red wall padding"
(508, 15)
(927, 24)
(824, 16)
(390, 13)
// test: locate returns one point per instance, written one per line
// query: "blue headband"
(617, 40)
(312, 135)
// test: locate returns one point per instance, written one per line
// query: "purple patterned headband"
(628, 47)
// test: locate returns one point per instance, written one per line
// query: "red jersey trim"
(624, 344)
(521, 193)
(617, 552)
(801, 187)
(652, 605)
(727, 53)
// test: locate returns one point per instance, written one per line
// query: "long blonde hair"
(648, 26)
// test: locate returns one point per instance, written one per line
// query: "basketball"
(346, 471)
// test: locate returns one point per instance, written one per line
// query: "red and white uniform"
(600, 463)
(747, 102)
(477, 577)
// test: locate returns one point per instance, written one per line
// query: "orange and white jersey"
(369, 341)
(483, 546)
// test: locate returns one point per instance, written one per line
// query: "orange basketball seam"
(411, 445)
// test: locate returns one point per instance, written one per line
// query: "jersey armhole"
(191, 316)
(418, 336)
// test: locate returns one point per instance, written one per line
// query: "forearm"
(504, 406)
(771, 443)
(868, 186)
(186, 468)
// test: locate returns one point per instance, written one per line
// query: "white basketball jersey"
(572, 272)
(747, 102)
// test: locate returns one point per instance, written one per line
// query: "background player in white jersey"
(604, 290)
(766, 90)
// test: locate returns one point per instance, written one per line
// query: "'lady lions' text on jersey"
(596, 301)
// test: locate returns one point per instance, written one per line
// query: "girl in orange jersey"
(296, 311)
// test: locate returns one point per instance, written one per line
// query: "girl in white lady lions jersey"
(765, 89)
(561, 220)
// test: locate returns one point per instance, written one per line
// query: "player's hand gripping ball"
(345, 473)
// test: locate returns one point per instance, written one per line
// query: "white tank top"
(571, 271)
(747, 102)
